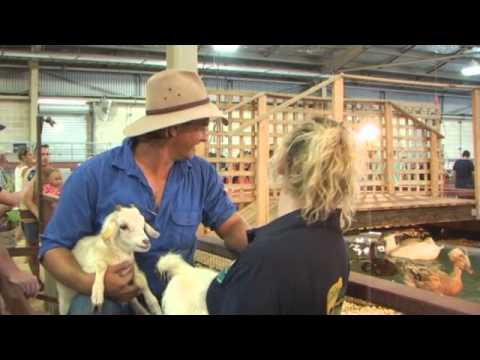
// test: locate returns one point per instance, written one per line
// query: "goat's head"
(127, 229)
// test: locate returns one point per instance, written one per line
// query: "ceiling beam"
(460, 51)
(415, 74)
(207, 50)
(402, 53)
(271, 50)
(345, 57)
(37, 48)
(380, 50)
(412, 62)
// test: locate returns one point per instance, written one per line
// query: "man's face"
(45, 156)
(188, 137)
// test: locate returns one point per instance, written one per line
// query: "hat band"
(178, 107)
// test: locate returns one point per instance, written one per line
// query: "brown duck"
(423, 277)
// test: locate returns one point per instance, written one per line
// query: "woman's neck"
(287, 203)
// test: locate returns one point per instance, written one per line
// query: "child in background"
(53, 183)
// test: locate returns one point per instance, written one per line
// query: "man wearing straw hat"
(156, 170)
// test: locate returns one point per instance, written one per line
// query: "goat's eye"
(123, 227)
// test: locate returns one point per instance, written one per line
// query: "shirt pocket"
(185, 224)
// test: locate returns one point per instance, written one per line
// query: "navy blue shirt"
(289, 268)
(463, 173)
(194, 194)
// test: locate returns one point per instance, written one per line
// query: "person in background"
(53, 183)
(27, 161)
(464, 172)
(9, 269)
(29, 207)
(6, 197)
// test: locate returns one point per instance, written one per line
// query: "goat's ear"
(110, 231)
(118, 207)
(151, 231)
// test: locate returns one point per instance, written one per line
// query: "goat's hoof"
(97, 309)
(156, 310)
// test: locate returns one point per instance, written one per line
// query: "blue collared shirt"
(194, 194)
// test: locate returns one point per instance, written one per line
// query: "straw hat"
(174, 97)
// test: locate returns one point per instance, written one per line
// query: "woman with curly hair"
(298, 264)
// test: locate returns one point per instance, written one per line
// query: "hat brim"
(151, 123)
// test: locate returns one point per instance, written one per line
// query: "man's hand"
(28, 282)
(119, 283)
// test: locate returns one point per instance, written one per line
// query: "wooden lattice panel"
(412, 156)
(357, 115)
(429, 114)
(234, 155)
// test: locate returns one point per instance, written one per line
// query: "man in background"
(464, 172)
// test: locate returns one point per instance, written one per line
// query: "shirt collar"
(295, 220)
(125, 160)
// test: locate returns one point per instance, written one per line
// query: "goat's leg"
(98, 288)
(150, 299)
(138, 308)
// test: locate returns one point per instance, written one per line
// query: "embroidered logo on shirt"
(222, 274)
(334, 304)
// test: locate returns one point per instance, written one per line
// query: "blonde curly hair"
(317, 163)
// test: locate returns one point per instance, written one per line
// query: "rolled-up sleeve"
(73, 218)
(218, 206)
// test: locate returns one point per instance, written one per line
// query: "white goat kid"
(186, 291)
(122, 234)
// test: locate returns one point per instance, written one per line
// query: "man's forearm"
(234, 233)
(10, 199)
(7, 265)
(65, 269)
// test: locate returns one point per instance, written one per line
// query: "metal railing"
(59, 151)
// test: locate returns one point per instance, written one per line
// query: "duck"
(412, 248)
(378, 265)
(433, 279)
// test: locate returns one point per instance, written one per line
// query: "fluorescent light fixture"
(155, 62)
(110, 59)
(60, 101)
(19, 54)
(473, 69)
(226, 48)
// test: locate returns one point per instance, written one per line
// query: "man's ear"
(172, 131)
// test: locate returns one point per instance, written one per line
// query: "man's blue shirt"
(194, 194)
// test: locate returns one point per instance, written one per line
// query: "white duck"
(413, 249)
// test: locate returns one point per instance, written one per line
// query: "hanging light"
(472, 69)
(368, 133)
(226, 48)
